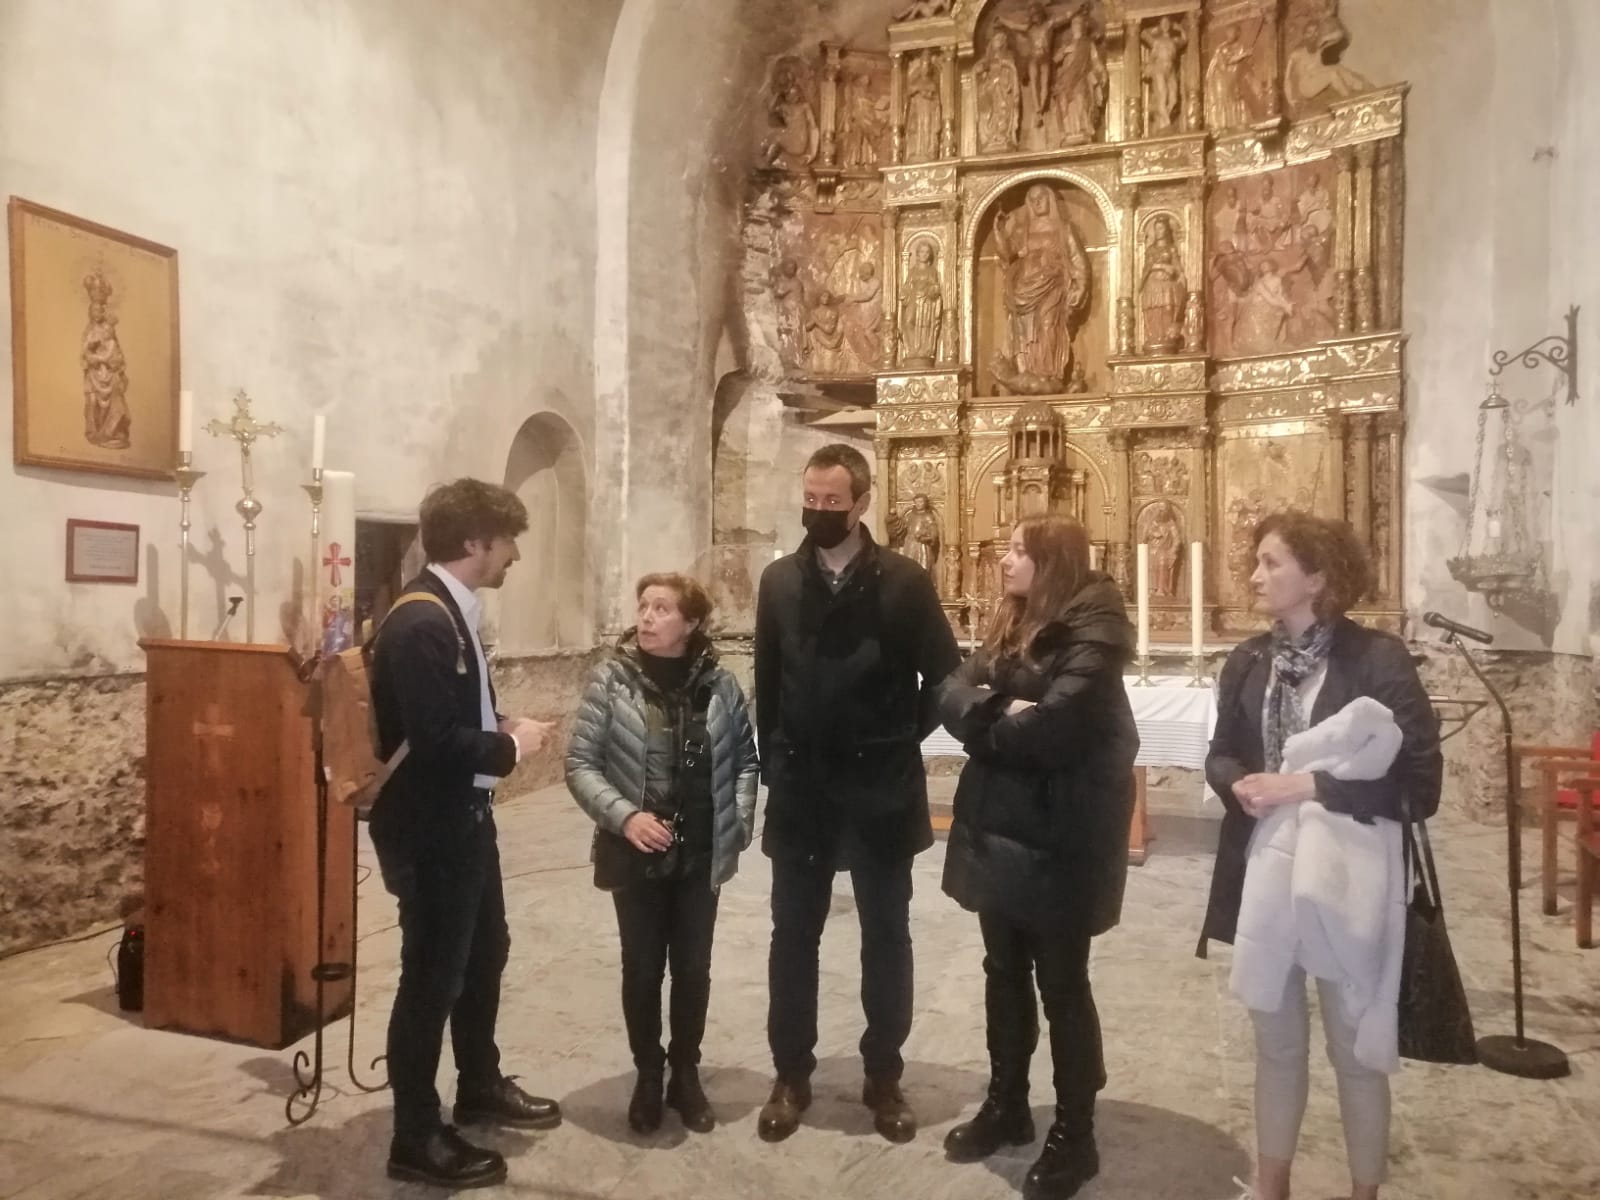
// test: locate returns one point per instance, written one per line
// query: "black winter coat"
(1361, 662)
(844, 697)
(1045, 800)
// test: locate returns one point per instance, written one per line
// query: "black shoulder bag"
(1435, 1022)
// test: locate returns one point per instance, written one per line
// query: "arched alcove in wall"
(545, 604)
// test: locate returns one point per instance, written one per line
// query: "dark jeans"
(453, 948)
(1013, 955)
(801, 895)
(661, 923)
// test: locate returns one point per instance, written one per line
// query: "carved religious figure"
(825, 337)
(999, 95)
(1315, 207)
(106, 418)
(863, 321)
(1045, 288)
(788, 297)
(1163, 69)
(1244, 514)
(1036, 31)
(1165, 538)
(1263, 314)
(921, 10)
(865, 117)
(1078, 97)
(924, 108)
(1225, 90)
(921, 307)
(923, 535)
(1311, 82)
(1162, 290)
(794, 145)
(1268, 223)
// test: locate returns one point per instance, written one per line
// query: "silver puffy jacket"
(610, 746)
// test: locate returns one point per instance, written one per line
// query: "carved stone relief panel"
(1055, 53)
(923, 390)
(829, 292)
(1259, 471)
(1241, 68)
(1271, 274)
(1160, 474)
(1313, 38)
(793, 137)
(1160, 523)
(863, 111)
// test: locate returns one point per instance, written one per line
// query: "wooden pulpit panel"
(231, 847)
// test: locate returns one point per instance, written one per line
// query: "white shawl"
(1326, 892)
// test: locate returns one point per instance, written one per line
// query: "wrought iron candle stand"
(186, 477)
(309, 1069)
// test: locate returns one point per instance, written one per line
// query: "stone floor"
(91, 1104)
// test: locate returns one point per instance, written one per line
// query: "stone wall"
(72, 780)
(72, 788)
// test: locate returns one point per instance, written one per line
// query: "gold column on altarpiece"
(1359, 449)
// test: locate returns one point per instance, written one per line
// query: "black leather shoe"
(994, 1125)
(447, 1160)
(508, 1105)
(685, 1094)
(780, 1115)
(1068, 1162)
(891, 1115)
(644, 1110)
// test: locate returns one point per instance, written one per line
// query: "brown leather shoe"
(891, 1115)
(780, 1115)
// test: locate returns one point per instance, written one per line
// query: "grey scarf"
(1294, 660)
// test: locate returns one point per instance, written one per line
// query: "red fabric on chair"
(1566, 797)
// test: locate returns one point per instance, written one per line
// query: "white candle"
(319, 438)
(185, 422)
(1143, 585)
(1196, 597)
(1094, 557)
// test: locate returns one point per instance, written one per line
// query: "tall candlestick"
(185, 422)
(1142, 577)
(1197, 613)
(186, 477)
(319, 440)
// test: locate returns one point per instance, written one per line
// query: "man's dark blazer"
(425, 690)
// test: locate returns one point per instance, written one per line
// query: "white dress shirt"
(472, 612)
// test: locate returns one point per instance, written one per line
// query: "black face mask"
(827, 527)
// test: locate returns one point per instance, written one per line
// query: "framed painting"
(94, 345)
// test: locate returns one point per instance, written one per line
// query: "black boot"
(644, 1110)
(997, 1123)
(685, 1094)
(1069, 1161)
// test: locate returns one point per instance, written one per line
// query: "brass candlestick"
(186, 477)
(1197, 664)
(1143, 662)
(245, 429)
(314, 491)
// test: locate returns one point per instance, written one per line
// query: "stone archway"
(545, 602)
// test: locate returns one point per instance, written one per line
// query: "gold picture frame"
(94, 345)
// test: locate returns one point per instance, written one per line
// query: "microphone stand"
(1517, 1055)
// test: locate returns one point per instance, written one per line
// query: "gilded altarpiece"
(1133, 260)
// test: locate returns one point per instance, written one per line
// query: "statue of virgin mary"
(1045, 288)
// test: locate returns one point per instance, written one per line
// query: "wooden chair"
(1587, 841)
(1552, 801)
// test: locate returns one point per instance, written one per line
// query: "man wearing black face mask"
(850, 644)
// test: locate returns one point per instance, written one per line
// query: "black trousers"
(1013, 955)
(662, 924)
(453, 949)
(801, 896)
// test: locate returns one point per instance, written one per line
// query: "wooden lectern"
(231, 848)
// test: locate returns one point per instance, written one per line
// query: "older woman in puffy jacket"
(663, 759)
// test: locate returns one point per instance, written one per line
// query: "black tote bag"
(1435, 1022)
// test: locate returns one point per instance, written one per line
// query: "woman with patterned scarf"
(1314, 662)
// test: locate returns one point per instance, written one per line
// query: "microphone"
(233, 607)
(1456, 627)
